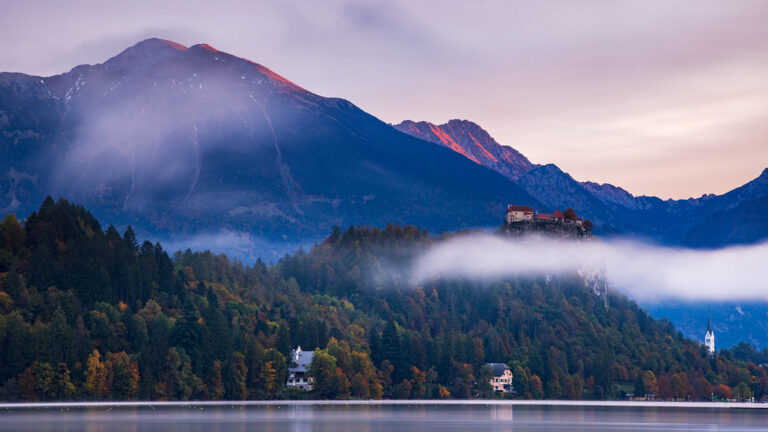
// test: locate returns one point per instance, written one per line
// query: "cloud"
(642, 271)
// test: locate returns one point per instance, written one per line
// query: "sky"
(661, 98)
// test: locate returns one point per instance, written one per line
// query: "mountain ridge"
(178, 140)
(612, 208)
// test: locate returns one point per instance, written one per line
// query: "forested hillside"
(87, 313)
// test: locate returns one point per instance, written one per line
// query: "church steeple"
(709, 336)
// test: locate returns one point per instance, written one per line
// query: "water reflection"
(379, 418)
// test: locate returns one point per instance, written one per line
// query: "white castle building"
(709, 337)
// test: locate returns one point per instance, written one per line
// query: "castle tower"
(709, 336)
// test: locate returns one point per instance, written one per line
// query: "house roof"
(498, 368)
(513, 207)
(558, 214)
(302, 360)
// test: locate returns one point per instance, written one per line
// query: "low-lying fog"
(643, 271)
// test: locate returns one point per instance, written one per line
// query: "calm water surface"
(320, 418)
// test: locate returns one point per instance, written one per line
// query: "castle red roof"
(548, 216)
(513, 207)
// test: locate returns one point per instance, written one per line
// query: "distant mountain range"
(190, 141)
(738, 216)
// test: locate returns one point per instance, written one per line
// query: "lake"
(382, 416)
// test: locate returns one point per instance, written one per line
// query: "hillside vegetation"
(87, 313)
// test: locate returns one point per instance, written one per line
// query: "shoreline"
(387, 402)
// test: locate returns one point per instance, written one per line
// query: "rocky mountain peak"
(474, 142)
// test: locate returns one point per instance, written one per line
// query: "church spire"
(709, 336)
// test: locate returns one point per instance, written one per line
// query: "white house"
(502, 377)
(298, 369)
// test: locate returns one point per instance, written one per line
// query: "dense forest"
(93, 314)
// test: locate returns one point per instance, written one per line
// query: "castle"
(516, 213)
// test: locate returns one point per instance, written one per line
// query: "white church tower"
(709, 336)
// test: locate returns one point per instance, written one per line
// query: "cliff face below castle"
(549, 229)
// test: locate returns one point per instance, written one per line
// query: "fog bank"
(640, 270)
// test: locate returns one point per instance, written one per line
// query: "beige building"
(502, 377)
(516, 213)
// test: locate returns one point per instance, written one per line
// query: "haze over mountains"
(189, 143)
(183, 140)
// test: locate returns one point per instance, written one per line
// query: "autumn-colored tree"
(537, 390)
(463, 381)
(123, 375)
(362, 365)
(62, 387)
(96, 375)
(702, 388)
(443, 392)
(236, 387)
(27, 385)
(342, 353)
(385, 373)
(403, 390)
(572, 386)
(323, 369)
(44, 379)
(340, 384)
(278, 363)
(722, 391)
(358, 387)
(649, 382)
(665, 388)
(419, 383)
(678, 387)
(215, 382)
(269, 378)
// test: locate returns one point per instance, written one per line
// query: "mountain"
(732, 322)
(735, 225)
(550, 185)
(472, 141)
(705, 221)
(180, 141)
